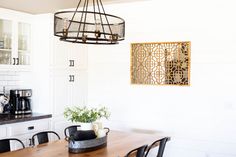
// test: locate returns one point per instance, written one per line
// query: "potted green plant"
(85, 116)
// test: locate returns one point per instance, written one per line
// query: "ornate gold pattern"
(166, 63)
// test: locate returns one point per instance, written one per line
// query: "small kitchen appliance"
(20, 101)
(4, 104)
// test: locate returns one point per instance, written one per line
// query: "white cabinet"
(60, 57)
(69, 80)
(15, 39)
(68, 91)
(60, 92)
(78, 54)
(3, 131)
(66, 65)
(70, 55)
(29, 127)
(23, 131)
(69, 62)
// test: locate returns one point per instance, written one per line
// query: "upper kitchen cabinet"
(15, 40)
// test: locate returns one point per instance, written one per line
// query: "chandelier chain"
(106, 17)
(74, 15)
(101, 20)
(85, 16)
(80, 23)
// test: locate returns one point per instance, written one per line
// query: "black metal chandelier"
(89, 25)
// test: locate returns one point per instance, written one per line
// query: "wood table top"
(118, 145)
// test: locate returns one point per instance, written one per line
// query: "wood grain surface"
(118, 145)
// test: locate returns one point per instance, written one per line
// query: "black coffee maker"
(20, 101)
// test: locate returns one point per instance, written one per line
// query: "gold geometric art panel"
(160, 63)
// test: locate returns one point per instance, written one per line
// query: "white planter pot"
(86, 126)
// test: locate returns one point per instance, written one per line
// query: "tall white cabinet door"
(78, 89)
(69, 89)
(60, 54)
(78, 53)
(61, 95)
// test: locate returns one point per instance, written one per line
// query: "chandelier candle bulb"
(98, 25)
(65, 23)
(65, 27)
(98, 28)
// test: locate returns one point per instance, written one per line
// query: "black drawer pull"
(14, 61)
(72, 78)
(31, 128)
(17, 61)
(72, 63)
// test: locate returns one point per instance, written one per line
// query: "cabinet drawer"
(3, 132)
(28, 127)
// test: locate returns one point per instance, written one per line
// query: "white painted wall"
(200, 118)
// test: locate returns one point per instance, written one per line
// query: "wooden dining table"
(118, 145)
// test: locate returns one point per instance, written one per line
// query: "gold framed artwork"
(161, 63)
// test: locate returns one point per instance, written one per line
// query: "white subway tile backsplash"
(2, 82)
(11, 77)
(11, 83)
(9, 80)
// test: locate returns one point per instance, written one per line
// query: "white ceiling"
(46, 6)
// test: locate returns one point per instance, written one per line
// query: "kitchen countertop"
(8, 119)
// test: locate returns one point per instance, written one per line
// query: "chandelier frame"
(86, 26)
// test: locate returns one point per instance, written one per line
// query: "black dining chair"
(5, 144)
(42, 137)
(159, 147)
(137, 152)
(70, 130)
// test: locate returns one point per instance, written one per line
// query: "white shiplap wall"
(199, 118)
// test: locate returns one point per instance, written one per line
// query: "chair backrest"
(42, 137)
(5, 144)
(70, 130)
(159, 143)
(137, 152)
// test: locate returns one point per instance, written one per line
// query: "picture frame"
(161, 63)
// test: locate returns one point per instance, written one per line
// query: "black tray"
(87, 145)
